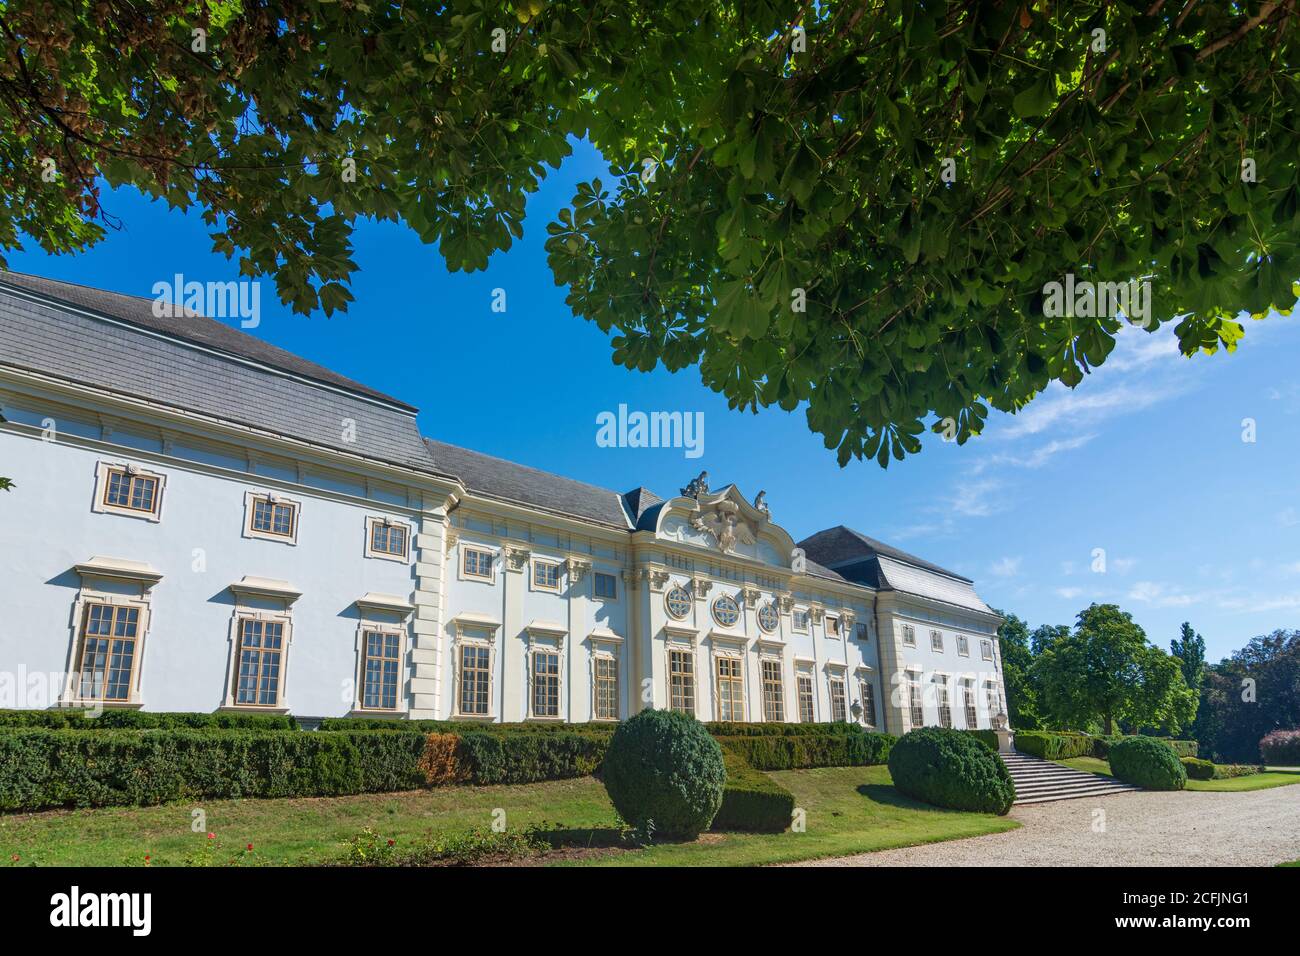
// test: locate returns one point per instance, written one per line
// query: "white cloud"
(1123, 565)
(1069, 593)
(1288, 517)
(1036, 458)
(1006, 568)
(1160, 595)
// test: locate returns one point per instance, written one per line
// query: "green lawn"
(848, 810)
(1256, 781)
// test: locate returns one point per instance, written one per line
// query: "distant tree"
(1248, 694)
(1045, 635)
(5, 484)
(1189, 648)
(1107, 671)
(1017, 664)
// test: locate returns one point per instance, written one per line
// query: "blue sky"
(1144, 460)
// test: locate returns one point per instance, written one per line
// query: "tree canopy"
(1254, 691)
(855, 206)
(1189, 648)
(1106, 671)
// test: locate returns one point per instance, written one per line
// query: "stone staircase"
(1038, 780)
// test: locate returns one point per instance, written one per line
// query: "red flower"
(212, 836)
(250, 846)
(390, 842)
(146, 858)
(15, 857)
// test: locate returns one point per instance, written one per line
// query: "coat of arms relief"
(723, 518)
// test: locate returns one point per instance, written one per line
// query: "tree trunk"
(1110, 725)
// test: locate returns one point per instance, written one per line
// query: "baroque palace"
(201, 521)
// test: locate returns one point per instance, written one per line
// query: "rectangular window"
(807, 713)
(963, 645)
(731, 689)
(968, 700)
(546, 575)
(475, 679)
(107, 659)
(945, 705)
(681, 681)
(915, 703)
(867, 691)
(131, 492)
(832, 626)
(909, 635)
(476, 563)
(838, 710)
(986, 650)
(275, 518)
(606, 672)
(773, 692)
(936, 641)
(862, 632)
(800, 620)
(546, 684)
(993, 699)
(388, 539)
(261, 644)
(380, 667)
(605, 585)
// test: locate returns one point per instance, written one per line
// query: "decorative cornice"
(657, 579)
(266, 588)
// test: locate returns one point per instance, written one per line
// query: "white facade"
(242, 565)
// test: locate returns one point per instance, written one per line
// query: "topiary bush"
(950, 768)
(1147, 762)
(1053, 745)
(663, 769)
(1281, 748)
(1198, 769)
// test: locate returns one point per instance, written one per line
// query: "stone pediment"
(726, 520)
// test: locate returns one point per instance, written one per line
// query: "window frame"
(476, 640)
(773, 689)
(936, 641)
(365, 629)
(802, 682)
(538, 564)
(104, 472)
(915, 700)
(535, 685)
(668, 609)
(686, 678)
(986, 644)
(598, 658)
(713, 610)
(374, 522)
(909, 635)
(843, 708)
(794, 620)
(970, 704)
(463, 564)
(832, 625)
(776, 617)
(253, 498)
(75, 682)
(963, 645)
(943, 700)
(595, 593)
(285, 622)
(867, 696)
(734, 680)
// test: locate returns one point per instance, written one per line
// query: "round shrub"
(951, 768)
(1147, 762)
(1198, 769)
(1281, 748)
(663, 769)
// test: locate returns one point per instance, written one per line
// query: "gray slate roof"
(43, 336)
(191, 327)
(498, 478)
(840, 545)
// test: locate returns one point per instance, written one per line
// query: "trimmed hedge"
(1281, 748)
(1053, 746)
(112, 719)
(1198, 769)
(487, 758)
(771, 752)
(1226, 771)
(42, 768)
(1147, 762)
(989, 738)
(752, 800)
(663, 769)
(950, 768)
(334, 724)
(774, 729)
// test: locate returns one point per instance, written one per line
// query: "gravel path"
(1184, 828)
